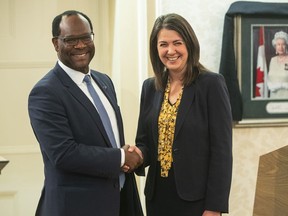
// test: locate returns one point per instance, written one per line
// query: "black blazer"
(81, 167)
(202, 148)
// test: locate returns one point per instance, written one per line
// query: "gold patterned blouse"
(166, 128)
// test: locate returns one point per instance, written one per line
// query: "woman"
(278, 68)
(185, 127)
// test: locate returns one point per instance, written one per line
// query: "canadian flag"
(261, 71)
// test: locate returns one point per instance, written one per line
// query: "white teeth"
(172, 59)
(81, 54)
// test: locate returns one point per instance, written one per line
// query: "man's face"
(75, 46)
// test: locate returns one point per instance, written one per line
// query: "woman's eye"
(178, 43)
(163, 45)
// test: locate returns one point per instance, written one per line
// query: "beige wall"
(122, 28)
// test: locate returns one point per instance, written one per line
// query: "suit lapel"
(82, 99)
(109, 91)
(157, 104)
(184, 107)
(105, 89)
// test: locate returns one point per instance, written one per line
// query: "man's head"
(73, 40)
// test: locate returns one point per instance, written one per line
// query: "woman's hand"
(211, 213)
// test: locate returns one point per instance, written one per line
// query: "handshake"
(133, 158)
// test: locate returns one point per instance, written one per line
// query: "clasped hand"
(133, 158)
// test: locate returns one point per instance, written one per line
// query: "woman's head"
(176, 23)
(280, 42)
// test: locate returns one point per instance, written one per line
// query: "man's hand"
(135, 148)
(133, 158)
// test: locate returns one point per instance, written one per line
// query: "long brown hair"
(176, 23)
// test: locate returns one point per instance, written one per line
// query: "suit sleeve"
(141, 136)
(53, 129)
(220, 133)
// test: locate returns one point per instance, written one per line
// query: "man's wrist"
(122, 157)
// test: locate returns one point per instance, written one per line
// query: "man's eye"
(86, 39)
(71, 40)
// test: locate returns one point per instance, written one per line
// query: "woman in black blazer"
(185, 127)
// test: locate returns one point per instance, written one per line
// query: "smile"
(173, 59)
(80, 55)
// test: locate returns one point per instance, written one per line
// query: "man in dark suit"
(82, 168)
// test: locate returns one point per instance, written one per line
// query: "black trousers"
(167, 202)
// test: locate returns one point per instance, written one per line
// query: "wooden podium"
(271, 198)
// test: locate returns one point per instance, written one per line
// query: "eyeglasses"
(73, 41)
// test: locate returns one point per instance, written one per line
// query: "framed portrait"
(261, 46)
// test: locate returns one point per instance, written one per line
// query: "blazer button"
(175, 150)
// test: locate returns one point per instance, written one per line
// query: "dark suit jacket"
(81, 167)
(202, 148)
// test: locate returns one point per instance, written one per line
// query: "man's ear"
(55, 43)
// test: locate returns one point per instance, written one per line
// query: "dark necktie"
(104, 118)
(101, 110)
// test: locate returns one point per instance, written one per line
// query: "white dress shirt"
(78, 77)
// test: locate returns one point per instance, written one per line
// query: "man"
(83, 172)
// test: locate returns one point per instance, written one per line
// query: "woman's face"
(280, 46)
(172, 50)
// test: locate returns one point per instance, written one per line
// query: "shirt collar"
(75, 75)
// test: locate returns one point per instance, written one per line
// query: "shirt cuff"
(122, 157)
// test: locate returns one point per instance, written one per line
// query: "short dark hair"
(176, 23)
(56, 31)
